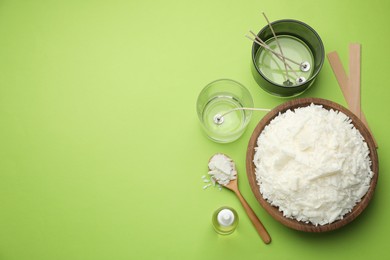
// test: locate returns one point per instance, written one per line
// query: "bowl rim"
(313, 76)
(274, 211)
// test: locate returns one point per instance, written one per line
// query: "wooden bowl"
(274, 211)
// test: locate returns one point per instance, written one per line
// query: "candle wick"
(261, 43)
(287, 82)
(264, 45)
(219, 118)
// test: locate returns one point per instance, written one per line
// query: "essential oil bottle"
(225, 220)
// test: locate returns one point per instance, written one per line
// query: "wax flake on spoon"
(222, 169)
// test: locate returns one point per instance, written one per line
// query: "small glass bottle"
(225, 220)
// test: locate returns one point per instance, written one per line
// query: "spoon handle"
(255, 220)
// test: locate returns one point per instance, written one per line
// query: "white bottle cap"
(225, 217)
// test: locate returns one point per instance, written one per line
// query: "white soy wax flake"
(206, 186)
(312, 164)
(211, 182)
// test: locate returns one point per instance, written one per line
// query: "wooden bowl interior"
(274, 211)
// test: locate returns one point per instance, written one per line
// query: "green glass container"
(225, 220)
(300, 43)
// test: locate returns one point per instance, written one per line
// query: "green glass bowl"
(294, 29)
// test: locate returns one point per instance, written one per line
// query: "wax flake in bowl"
(323, 175)
(313, 164)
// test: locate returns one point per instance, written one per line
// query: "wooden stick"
(342, 79)
(341, 75)
(354, 78)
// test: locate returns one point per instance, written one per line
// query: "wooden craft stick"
(341, 75)
(342, 79)
(354, 78)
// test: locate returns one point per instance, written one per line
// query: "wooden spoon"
(233, 186)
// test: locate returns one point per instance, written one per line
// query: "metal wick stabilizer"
(300, 80)
(218, 119)
(305, 66)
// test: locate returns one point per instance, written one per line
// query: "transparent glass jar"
(222, 96)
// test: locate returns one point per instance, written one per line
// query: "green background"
(101, 151)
